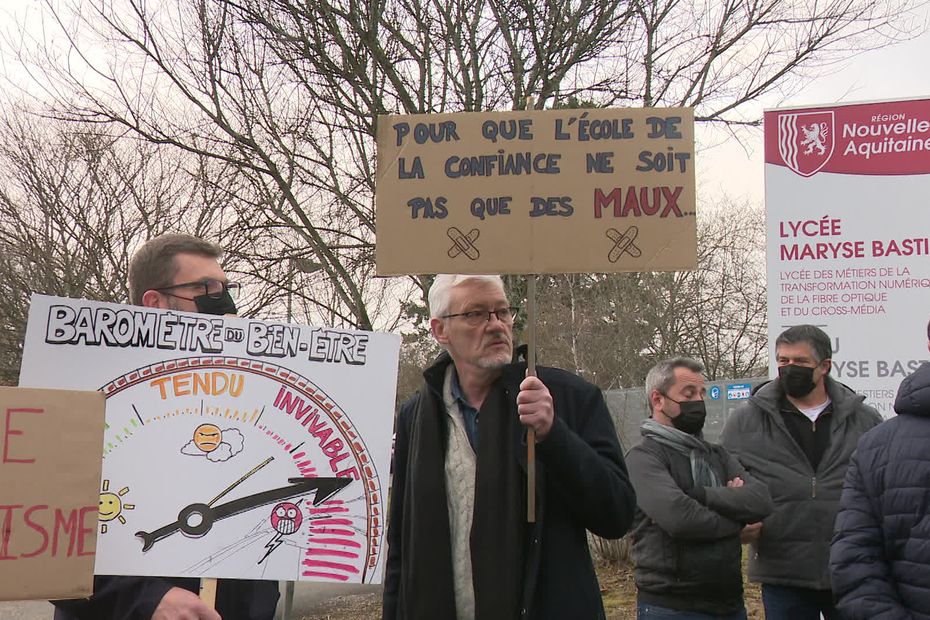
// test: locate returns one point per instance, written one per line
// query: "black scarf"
(498, 528)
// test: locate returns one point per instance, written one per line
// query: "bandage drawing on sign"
(463, 244)
(623, 243)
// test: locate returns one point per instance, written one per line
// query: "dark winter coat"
(686, 546)
(135, 598)
(582, 484)
(880, 558)
(794, 546)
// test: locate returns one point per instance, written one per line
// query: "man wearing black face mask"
(693, 499)
(796, 434)
(175, 272)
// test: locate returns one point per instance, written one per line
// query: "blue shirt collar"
(456, 390)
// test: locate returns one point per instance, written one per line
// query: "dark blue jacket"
(880, 556)
(135, 598)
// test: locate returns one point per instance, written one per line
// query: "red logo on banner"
(805, 141)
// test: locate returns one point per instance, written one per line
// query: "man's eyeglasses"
(477, 317)
(213, 289)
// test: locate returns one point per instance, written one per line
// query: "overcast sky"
(898, 71)
(734, 167)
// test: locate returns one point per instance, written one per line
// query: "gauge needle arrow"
(197, 519)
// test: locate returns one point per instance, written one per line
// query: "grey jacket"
(794, 547)
(686, 545)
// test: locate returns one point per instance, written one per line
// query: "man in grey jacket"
(796, 434)
(693, 499)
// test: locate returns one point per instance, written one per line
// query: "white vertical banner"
(847, 195)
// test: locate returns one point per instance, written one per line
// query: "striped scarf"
(694, 447)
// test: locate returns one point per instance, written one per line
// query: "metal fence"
(628, 407)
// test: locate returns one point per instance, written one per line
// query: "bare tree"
(287, 93)
(726, 325)
(612, 328)
(76, 201)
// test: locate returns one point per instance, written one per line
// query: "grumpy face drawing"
(286, 518)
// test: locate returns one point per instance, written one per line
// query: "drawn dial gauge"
(181, 431)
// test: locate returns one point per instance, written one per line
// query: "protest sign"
(234, 447)
(50, 444)
(847, 229)
(551, 191)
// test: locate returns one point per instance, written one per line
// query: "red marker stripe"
(320, 522)
(328, 510)
(331, 565)
(344, 542)
(333, 552)
(316, 573)
(324, 531)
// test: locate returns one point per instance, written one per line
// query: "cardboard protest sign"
(551, 191)
(50, 444)
(847, 228)
(234, 448)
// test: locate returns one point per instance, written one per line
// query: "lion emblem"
(814, 137)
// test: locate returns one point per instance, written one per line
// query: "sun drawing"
(112, 506)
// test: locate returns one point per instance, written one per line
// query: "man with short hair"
(880, 556)
(459, 545)
(176, 272)
(796, 434)
(693, 499)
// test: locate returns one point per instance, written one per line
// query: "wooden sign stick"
(530, 372)
(208, 592)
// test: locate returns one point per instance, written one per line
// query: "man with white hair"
(459, 545)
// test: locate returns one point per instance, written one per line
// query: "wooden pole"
(288, 601)
(530, 372)
(208, 592)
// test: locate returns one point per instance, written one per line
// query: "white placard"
(213, 423)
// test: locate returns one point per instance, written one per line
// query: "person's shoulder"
(748, 417)
(753, 407)
(407, 407)
(898, 426)
(856, 403)
(719, 449)
(844, 396)
(558, 377)
(646, 450)
(869, 413)
(764, 396)
(878, 444)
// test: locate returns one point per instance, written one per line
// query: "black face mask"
(798, 381)
(219, 306)
(692, 416)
